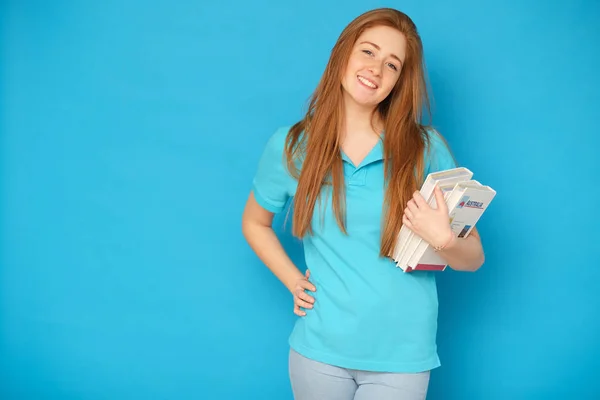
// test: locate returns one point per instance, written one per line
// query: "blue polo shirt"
(368, 314)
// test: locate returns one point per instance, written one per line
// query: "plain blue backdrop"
(130, 133)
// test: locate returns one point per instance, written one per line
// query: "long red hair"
(315, 139)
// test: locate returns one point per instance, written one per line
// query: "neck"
(360, 120)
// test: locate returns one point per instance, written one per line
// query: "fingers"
(407, 222)
(301, 298)
(440, 201)
(307, 285)
(412, 206)
(408, 213)
(298, 311)
(419, 200)
(304, 304)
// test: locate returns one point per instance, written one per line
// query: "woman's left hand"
(431, 224)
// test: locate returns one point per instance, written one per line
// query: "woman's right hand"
(301, 298)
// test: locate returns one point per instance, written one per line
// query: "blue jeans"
(312, 380)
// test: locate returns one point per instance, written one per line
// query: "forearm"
(464, 254)
(266, 245)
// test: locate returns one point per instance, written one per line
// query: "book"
(446, 180)
(466, 205)
(418, 246)
(467, 200)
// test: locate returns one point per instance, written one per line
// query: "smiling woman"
(366, 329)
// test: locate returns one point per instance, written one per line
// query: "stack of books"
(466, 200)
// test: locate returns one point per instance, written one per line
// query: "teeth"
(366, 82)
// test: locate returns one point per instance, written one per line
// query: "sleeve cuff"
(269, 205)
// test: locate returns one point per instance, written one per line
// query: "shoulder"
(275, 152)
(438, 154)
(277, 143)
(272, 184)
(434, 140)
(278, 138)
(274, 147)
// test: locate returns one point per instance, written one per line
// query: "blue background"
(130, 132)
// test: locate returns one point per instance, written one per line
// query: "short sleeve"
(438, 156)
(272, 185)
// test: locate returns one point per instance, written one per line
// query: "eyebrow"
(379, 48)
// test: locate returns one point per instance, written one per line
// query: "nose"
(375, 68)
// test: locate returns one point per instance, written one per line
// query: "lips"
(367, 82)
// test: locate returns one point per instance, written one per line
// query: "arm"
(432, 225)
(464, 254)
(258, 231)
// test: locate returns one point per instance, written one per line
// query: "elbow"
(472, 265)
(246, 227)
(481, 262)
(251, 228)
(477, 263)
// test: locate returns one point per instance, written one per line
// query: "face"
(374, 65)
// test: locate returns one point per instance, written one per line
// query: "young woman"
(353, 166)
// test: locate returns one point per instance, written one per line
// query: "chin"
(365, 100)
(362, 102)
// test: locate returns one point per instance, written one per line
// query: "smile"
(367, 82)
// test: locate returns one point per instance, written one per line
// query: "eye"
(369, 52)
(392, 66)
